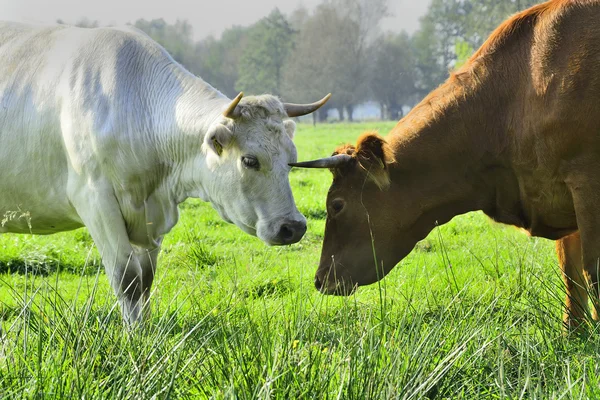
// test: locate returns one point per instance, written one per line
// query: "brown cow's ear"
(345, 149)
(374, 154)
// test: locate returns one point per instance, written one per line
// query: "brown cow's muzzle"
(326, 283)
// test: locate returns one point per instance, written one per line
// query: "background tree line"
(337, 48)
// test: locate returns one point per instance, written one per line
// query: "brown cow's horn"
(328, 162)
(297, 110)
(232, 111)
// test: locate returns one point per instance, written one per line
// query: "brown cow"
(515, 133)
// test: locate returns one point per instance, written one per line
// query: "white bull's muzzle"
(282, 231)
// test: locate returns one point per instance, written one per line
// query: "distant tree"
(366, 14)
(429, 70)
(360, 19)
(269, 44)
(331, 54)
(451, 30)
(434, 42)
(486, 15)
(393, 74)
(175, 38)
(219, 60)
(310, 70)
(463, 51)
(82, 22)
(298, 18)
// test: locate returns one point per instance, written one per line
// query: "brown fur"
(373, 154)
(515, 133)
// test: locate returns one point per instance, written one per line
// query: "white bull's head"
(247, 153)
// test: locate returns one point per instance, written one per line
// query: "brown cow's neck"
(449, 152)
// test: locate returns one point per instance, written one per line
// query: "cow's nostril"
(286, 232)
(291, 232)
(318, 283)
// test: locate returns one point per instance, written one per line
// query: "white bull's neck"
(185, 114)
(197, 106)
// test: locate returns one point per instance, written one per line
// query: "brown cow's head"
(367, 230)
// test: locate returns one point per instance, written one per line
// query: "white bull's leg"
(100, 212)
(147, 259)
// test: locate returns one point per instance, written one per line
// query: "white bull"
(102, 128)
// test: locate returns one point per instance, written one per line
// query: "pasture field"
(474, 312)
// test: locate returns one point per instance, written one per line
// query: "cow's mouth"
(247, 228)
(335, 287)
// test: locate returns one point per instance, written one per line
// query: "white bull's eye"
(251, 162)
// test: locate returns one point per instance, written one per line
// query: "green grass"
(473, 312)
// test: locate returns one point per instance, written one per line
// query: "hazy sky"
(206, 16)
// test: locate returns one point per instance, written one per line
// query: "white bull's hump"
(59, 90)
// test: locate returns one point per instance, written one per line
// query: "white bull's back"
(33, 163)
(73, 102)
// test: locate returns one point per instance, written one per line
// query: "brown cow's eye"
(337, 205)
(251, 162)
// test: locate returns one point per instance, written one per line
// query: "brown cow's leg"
(568, 250)
(585, 199)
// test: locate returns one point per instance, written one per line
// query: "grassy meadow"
(473, 312)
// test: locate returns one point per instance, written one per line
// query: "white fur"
(100, 127)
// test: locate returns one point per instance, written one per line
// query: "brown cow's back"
(527, 104)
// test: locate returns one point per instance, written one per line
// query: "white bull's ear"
(218, 138)
(290, 128)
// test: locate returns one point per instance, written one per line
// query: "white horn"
(232, 111)
(297, 110)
